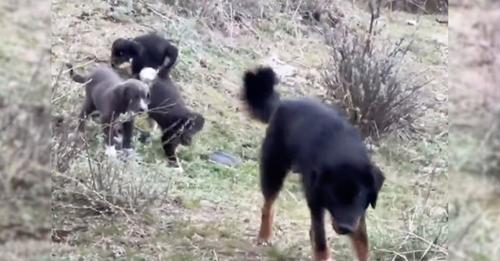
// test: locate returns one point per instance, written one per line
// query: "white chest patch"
(143, 105)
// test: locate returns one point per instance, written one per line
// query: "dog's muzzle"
(344, 228)
(143, 106)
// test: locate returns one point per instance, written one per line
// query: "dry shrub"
(88, 182)
(419, 6)
(304, 6)
(228, 16)
(368, 81)
(221, 15)
(96, 185)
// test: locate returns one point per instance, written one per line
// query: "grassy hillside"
(144, 210)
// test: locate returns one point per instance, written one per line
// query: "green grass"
(212, 212)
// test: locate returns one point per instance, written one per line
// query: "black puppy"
(167, 108)
(337, 174)
(150, 50)
(107, 93)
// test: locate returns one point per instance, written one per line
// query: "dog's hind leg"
(273, 169)
(169, 145)
(359, 239)
(317, 235)
(87, 109)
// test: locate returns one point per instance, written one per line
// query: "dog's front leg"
(108, 136)
(318, 237)
(359, 239)
(128, 128)
(107, 129)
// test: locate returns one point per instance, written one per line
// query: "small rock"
(196, 237)
(441, 97)
(225, 159)
(206, 204)
(428, 170)
(411, 22)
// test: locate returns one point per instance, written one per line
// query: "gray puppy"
(111, 96)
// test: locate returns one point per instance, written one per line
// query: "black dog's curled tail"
(259, 93)
(76, 77)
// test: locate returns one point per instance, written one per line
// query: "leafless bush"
(63, 149)
(303, 6)
(367, 79)
(228, 16)
(222, 15)
(87, 181)
(98, 185)
(418, 6)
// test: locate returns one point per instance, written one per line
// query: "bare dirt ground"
(211, 212)
(474, 96)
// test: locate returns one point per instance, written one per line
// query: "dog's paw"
(324, 259)
(264, 242)
(322, 256)
(111, 151)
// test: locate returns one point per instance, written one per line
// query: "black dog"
(150, 50)
(337, 174)
(107, 93)
(167, 108)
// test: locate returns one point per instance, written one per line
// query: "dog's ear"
(378, 181)
(117, 42)
(123, 93)
(135, 47)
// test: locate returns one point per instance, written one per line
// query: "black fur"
(111, 96)
(337, 174)
(150, 50)
(178, 123)
(261, 99)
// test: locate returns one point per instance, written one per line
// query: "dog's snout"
(143, 107)
(344, 229)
